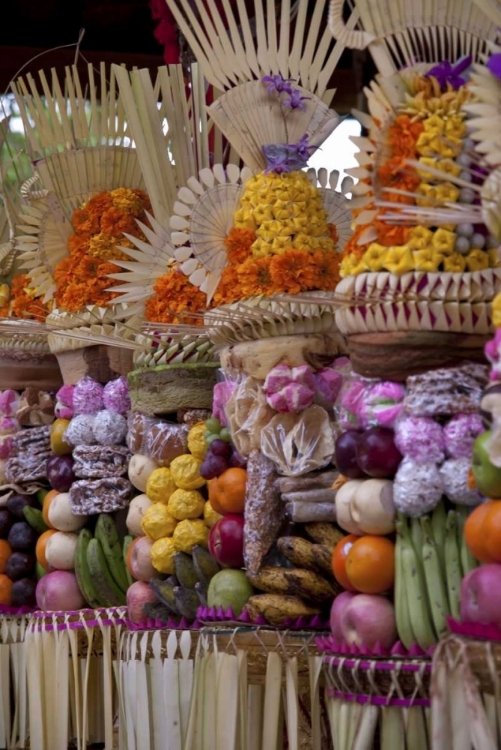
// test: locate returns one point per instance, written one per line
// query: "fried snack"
(264, 510)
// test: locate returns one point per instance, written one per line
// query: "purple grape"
(237, 461)
(345, 455)
(220, 448)
(60, 473)
(213, 466)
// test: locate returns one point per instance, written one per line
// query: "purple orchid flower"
(295, 100)
(494, 64)
(278, 83)
(446, 73)
(304, 149)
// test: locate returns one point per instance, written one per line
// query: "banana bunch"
(431, 558)
(303, 590)
(182, 594)
(100, 565)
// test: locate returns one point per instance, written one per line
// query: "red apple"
(138, 594)
(338, 606)
(481, 595)
(139, 559)
(369, 619)
(226, 541)
(58, 591)
(377, 454)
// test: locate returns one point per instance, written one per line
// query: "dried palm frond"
(246, 43)
(401, 33)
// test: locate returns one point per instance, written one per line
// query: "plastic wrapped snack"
(446, 392)
(35, 408)
(99, 461)
(87, 396)
(116, 396)
(264, 510)
(109, 428)
(247, 413)
(31, 441)
(88, 497)
(289, 390)
(299, 443)
(163, 441)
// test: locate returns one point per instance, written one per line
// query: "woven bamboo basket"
(72, 667)
(13, 681)
(465, 691)
(378, 702)
(26, 361)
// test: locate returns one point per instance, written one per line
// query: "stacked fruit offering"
(406, 452)
(170, 524)
(25, 420)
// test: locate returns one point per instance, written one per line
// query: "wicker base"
(396, 356)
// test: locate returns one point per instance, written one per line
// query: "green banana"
(468, 562)
(106, 587)
(438, 521)
(185, 570)
(415, 589)
(404, 627)
(107, 534)
(187, 602)
(127, 542)
(416, 735)
(452, 563)
(437, 591)
(416, 533)
(164, 591)
(205, 565)
(157, 611)
(201, 590)
(82, 572)
(392, 727)
(34, 517)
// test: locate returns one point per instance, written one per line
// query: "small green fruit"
(229, 588)
(487, 476)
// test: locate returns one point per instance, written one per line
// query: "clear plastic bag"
(163, 441)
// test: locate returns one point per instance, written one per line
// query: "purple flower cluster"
(279, 85)
(287, 157)
(446, 73)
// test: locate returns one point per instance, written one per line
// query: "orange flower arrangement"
(238, 245)
(24, 303)
(174, 297)
(83, 277)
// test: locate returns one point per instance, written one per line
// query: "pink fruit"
(226, 541)
(368, 620)
(138, 594)
(139, 559)
(377, 454)
(58, 591)
(481, 595)
(338, 606)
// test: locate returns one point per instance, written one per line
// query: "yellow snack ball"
(188, 533)
(210, 515)
(158, 522)
(196, 441)
(186, 504)
(185, 472)
(162, 555)
(160, 485)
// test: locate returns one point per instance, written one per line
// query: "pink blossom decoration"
(289, 389)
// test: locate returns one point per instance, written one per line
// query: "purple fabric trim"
(383, 666)
(330, 646)
(379, 700)
(5, 610)
(77, 625)
(474, 630)
(211, 614)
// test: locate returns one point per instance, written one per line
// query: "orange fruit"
(40, 548)
(227, 491)
(5, 590)
(339, 561)
(476, 531)
(49, 497)
(491, 531)
(5, 553)
(370, 564)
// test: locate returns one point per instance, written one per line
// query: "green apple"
(229, 588)
(487, 477)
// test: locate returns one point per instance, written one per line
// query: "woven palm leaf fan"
(244, 238)
(400, 33)
(87, 189)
